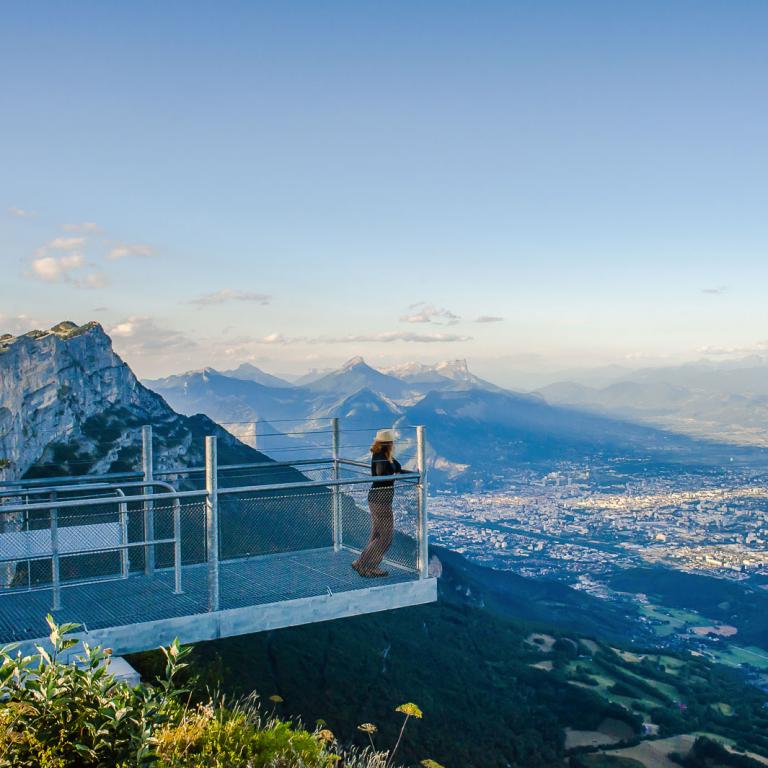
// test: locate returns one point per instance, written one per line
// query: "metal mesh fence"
(360, 507)
(118, 560)
(262, 523)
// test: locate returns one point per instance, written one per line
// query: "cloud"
(56, 269)
(124, 250)
(717, 291)
(95, 280)
(761, 347)
(20, 213)
(229, 294)
(376, 338)
(61, 261)
(65, 243)
(279, 338)
(426, 313)
(489, 319)
(88, 227)
(140, 334)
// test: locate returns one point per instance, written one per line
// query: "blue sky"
(297, 183)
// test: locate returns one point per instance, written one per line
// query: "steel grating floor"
(253, 581)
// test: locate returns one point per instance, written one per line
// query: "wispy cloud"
(21, 213)
(141, 334)
(229, 294)
(375, 338)
(489, 319)
(126, 250)
(65, 243)
(760, 347)
(427, 313)
(716, 291)
(88, 227)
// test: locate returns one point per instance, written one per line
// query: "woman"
(380, 503)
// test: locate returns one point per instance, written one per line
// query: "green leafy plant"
(58, 714)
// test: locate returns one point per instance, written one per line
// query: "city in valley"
(583, 524)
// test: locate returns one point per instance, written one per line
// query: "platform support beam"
(338, 534)
(147, 465)
(423, 537)
(212, 521)
(55, 563)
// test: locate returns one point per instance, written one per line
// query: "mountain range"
(716, 401)
(477, 431)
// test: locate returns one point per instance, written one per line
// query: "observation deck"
(138, 559)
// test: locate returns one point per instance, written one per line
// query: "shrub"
(77, 715)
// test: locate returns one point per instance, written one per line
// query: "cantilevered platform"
(266, 592)
(138, 563)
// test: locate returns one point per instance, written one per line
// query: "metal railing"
(64, 532)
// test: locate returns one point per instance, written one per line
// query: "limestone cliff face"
(70, 405)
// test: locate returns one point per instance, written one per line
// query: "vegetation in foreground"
(64, 715)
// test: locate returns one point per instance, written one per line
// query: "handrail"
(69, 479)
(55, 488)
(159, 497)
(72, 480)
(75, 553)
(320, 483)
(254, 465)
(55, 504)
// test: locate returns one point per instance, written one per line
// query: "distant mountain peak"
(353, 363)
(453, 366)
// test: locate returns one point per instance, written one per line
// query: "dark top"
(380, 466)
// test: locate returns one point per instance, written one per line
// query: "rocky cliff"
(70, 405)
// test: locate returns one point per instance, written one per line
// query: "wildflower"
(410, 710)
(431, 764)
(367, 728)
(276, 698)
(326, 735)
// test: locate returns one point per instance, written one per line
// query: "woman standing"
(380, 503)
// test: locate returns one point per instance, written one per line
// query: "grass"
(737, 656)
(669, 621)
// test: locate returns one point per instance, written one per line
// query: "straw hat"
(385, 436)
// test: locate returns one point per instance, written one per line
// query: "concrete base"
(196, 628)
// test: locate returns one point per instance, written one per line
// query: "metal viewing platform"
(138, 559)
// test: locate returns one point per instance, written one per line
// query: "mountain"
(476, 437)
(660, 397)
(743, 376)
(249, 372)
(355, 375)
(364, 409)
(313, 374)
(70, 405)
(453, 374)
(477, 432)
(228, 400)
